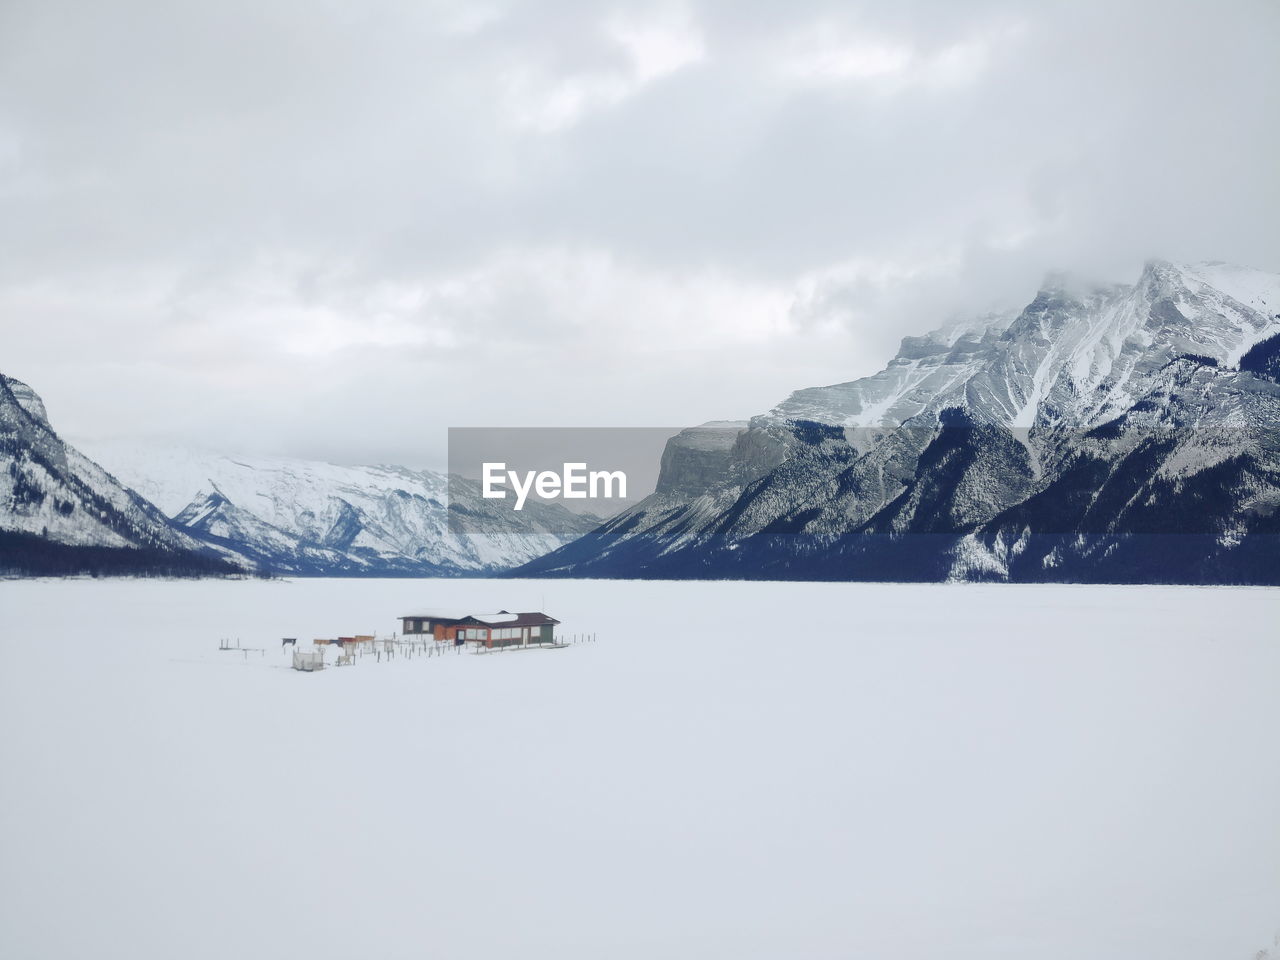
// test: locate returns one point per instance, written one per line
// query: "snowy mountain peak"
(1100, 410)
(1077, 352)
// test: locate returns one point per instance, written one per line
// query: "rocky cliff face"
(1103, 432)
(698, 458)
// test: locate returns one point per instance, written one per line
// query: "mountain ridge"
(161, 511)
(918, 471)
(64, 514)
(309, 517)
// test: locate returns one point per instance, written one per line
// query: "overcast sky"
(335, 229)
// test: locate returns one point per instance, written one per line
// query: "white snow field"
(734, 770)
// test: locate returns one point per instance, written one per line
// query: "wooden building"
(501, 629)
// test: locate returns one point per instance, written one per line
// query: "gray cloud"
(328, 229)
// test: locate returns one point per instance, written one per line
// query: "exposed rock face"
(697, 458)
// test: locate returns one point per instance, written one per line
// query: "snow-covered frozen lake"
(732, 770)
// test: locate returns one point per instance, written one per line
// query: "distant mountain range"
(1126, 433)
(178, 512)
(312, 518)
(1118, 433)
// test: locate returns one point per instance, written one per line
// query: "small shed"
(308, 660)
